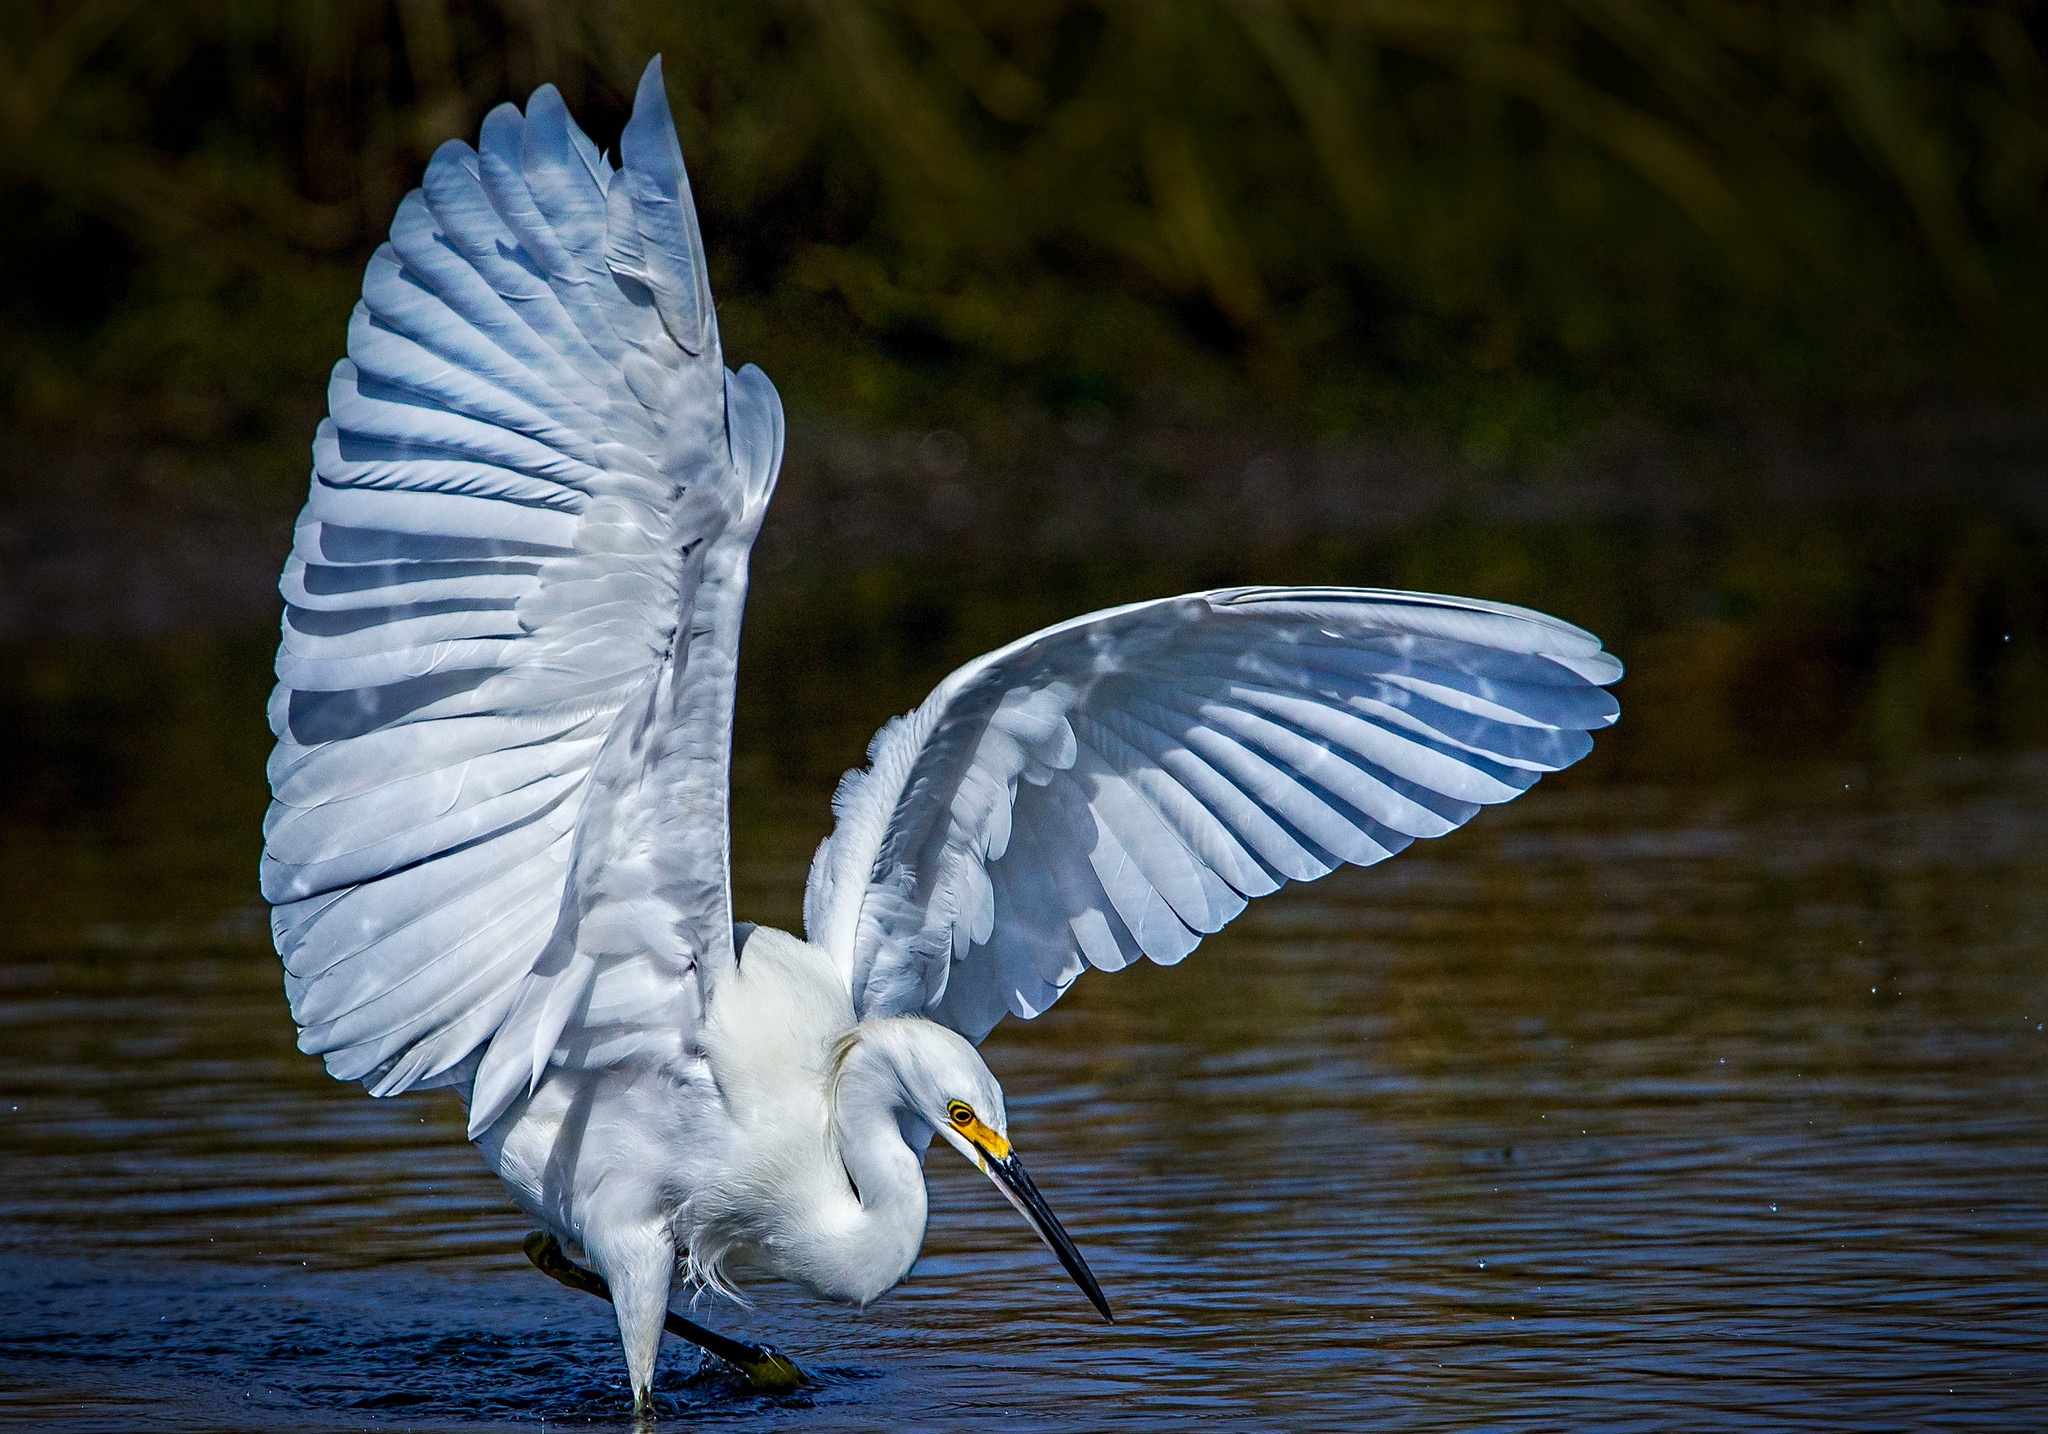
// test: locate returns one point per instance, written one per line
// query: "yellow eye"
(960, 1112)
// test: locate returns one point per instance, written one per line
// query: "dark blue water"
(1623, 1109)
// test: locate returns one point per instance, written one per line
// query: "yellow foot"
(770, 1373)
(766, 1372)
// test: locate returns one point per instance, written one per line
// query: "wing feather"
(1204, 831)
(512, 613)
(1121, 785)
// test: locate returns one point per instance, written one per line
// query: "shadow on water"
(1703, 1086)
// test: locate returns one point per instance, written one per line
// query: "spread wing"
(1122, 784)
(504, 699)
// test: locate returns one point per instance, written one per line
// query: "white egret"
(498, 847)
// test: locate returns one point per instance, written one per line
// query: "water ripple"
(1621, 1110)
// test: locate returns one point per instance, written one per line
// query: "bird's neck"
(885, 1169)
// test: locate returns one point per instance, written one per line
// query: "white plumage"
(498, 850)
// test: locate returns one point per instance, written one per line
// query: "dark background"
(1715, 326)
(1703, 1087)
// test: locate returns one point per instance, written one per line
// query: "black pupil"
(961, 1115)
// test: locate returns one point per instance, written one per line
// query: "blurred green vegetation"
(1493, 221)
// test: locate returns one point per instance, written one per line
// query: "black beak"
(1010, 1178)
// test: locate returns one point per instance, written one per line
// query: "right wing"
(499, 833)
(1120, 785)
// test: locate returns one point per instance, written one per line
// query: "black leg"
(765, 1370)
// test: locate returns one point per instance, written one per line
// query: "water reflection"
(1624, 1108)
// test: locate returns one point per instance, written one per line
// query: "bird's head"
(942, 1085)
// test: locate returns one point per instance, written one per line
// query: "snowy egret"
(498, 849)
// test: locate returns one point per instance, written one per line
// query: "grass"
(1494, 221)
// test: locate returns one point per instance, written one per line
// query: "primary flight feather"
(498, 848)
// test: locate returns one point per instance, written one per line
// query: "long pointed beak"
(1007, 1172)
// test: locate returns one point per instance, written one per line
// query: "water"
(1627, 1107)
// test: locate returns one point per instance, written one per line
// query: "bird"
(497, 853)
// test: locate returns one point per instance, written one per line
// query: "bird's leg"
(765, 1370)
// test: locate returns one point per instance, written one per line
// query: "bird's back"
(726, 1149)
(769, 1032)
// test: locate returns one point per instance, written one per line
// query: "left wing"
(1121, 784)
(512, 614)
